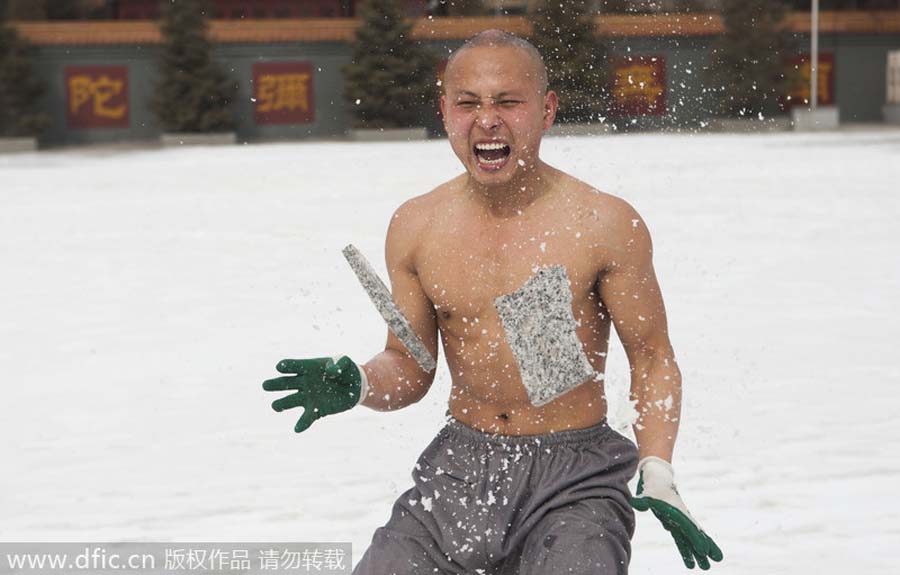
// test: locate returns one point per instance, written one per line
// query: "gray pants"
(502, 505)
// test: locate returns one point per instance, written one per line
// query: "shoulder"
(615, 212)
(415, 214)
(410, 221)
(609, 212)
(617, 229)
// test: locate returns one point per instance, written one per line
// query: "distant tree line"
(20, 90)
(391, 82)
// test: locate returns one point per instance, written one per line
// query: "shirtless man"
(507, 487)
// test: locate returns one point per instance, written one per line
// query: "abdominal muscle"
(487, 393)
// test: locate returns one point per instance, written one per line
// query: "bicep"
(416, 308)
(407, 292)
(630, 291)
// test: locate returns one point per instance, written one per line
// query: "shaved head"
(501, 39)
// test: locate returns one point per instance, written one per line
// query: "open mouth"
(492, 155)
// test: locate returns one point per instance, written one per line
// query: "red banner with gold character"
(96, 96)
(799, 92)
(639, 86)
(283, 92)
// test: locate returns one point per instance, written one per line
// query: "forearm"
(395, 381)
(656, 387)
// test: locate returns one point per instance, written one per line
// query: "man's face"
(495, 112)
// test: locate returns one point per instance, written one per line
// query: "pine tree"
(194, 94)
(575, 59)
(20, 90)
(390, 82)
(747, 68)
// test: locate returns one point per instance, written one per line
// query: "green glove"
(324, 385)
(656, 491)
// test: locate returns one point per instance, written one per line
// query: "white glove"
(657, 492)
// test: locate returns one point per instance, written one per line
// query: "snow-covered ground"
(145, 295)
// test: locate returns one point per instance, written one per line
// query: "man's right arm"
(395, 379)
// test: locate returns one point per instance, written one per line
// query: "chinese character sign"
(283, 92)
(639, 86)
(96, 96)
(801, 72)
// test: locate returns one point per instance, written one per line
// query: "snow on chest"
(540, 330)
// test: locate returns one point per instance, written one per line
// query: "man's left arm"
(630, 291)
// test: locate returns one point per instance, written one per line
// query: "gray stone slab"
(822, 118)
(13, 145)
(891, 113)
(389, 135)
(387, 307)
(567, 130)
(749, 125)
(540, 330)
(188, 139)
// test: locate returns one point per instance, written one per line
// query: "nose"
(488, 118)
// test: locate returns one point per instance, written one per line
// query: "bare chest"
(464, 264)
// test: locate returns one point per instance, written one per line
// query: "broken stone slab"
(387, 307)
(540, 331)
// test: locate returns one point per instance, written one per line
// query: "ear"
(444, 110)
(551, 103)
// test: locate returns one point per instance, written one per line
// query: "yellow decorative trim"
(342, 29)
